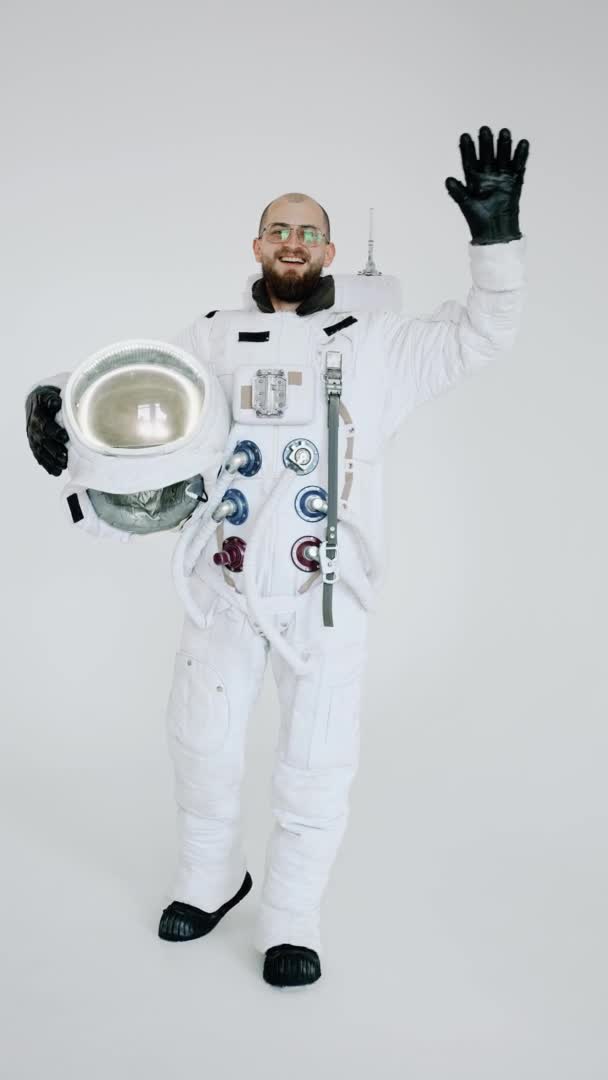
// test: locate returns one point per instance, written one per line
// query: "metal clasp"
(333, 372)
(269, 397)
(328, 561)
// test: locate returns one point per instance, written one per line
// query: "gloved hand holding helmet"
(46, 437)
(490, 200)
(146, 424)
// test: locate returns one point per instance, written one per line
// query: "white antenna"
(370, 267)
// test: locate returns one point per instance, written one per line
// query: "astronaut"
(287, 565)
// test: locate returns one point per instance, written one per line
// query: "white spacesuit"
(273, 424)
(261, 579)
(389, 366)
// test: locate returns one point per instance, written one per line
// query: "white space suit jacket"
(390, 366)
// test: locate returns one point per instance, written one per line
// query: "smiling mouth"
(289, 262)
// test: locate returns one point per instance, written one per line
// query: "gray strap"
(334, 389)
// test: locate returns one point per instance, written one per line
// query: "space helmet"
(148, 426)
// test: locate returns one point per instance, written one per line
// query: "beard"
(291, 285)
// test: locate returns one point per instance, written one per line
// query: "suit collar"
(323, 296)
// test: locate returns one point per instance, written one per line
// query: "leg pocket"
(198, 714)
(320, 726)
(339, 742)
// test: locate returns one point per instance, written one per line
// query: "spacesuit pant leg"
(317, 758)
(218, 676)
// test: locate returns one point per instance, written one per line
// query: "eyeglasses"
(279, 232)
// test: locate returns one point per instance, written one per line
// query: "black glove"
(47, 439)
(490, 200)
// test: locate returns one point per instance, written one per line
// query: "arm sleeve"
(194, 339)
(428, 355)
(79, 511)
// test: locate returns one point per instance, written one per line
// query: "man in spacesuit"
(315, 395)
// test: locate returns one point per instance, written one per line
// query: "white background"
(464, 924)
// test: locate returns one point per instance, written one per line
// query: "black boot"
(183, 922)
(291, 965)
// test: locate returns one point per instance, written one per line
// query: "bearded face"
(292, 281)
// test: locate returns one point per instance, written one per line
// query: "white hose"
(373, 575)
(361, 589)
(301, 665)
(196, 542)
(194, 536)
(200, 528)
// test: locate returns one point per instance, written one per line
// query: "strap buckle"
(333, 372)
(328, 560)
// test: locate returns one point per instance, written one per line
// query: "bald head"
(315, 216)
(291, 267)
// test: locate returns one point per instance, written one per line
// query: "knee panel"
(315, 797)
(209, 796)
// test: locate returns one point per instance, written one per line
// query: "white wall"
(140, 145)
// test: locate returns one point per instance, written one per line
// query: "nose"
(294, 245)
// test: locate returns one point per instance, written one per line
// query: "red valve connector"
(305, 553)
(232, 554)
